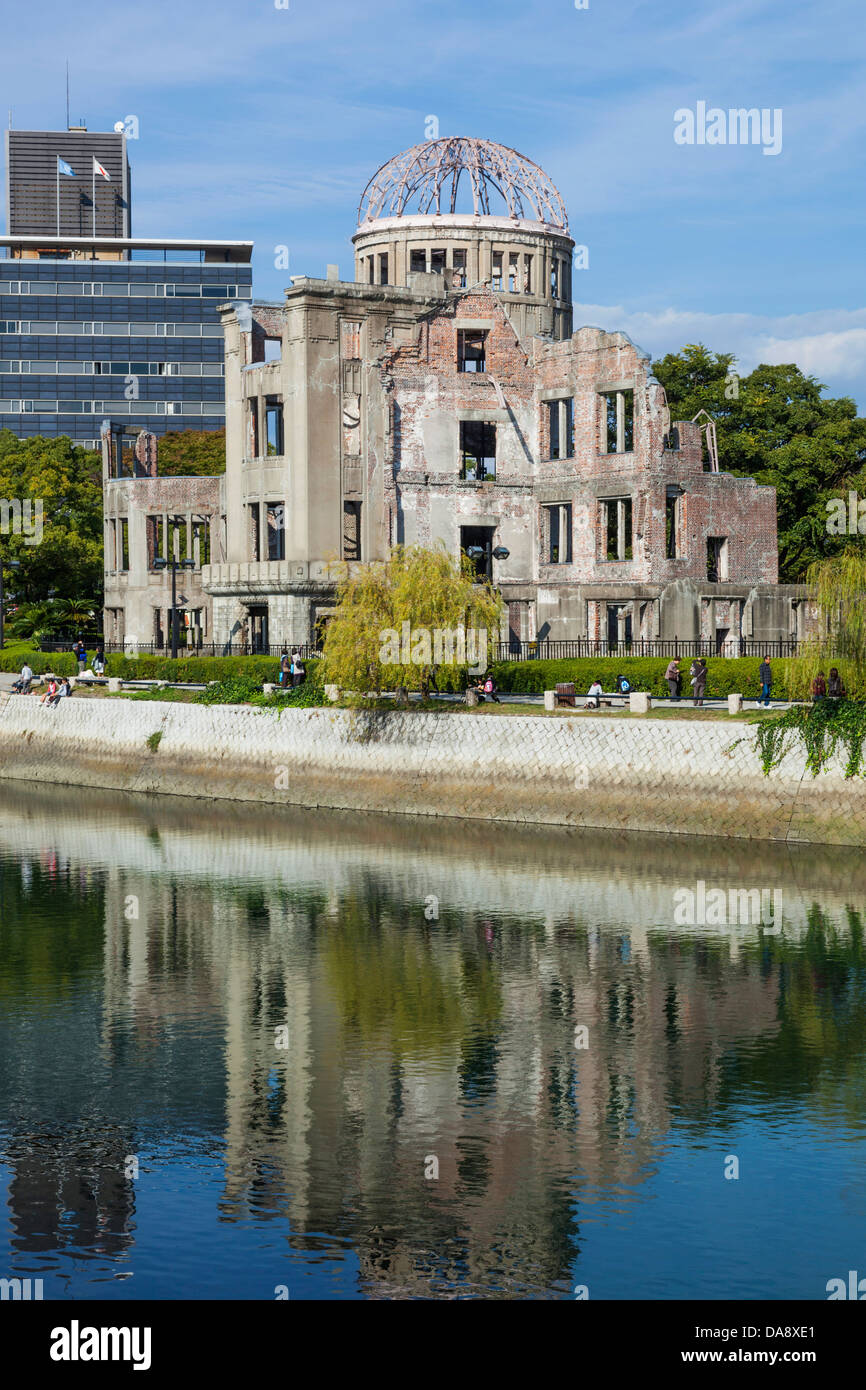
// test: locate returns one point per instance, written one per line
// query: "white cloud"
(829, 344)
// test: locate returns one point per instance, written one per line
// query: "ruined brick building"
(443, 396)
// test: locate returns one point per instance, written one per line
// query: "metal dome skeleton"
(426, 179)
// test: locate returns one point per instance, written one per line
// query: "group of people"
(292, 671)
(828, 688)
(485, 689)
(79, 651)
(56, 691)
(697, 679)
(596, 690)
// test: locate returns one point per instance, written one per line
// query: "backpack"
(488, 686)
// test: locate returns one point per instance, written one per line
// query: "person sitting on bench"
(593, 695)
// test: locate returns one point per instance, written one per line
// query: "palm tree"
(76, 612)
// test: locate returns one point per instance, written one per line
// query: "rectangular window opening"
(254, 531)
(276, 531)
(201, 543)
(717, 559)
(351, 530)
(476, 542)
(618, 422)
(672, 538)
(274, 425)
(477, 450)
(471, 350)
(557, 528)
(561, 428)
(617, 523)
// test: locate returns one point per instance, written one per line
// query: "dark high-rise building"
(42, 198)
(105, 324)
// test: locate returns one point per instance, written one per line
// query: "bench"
(565, 694)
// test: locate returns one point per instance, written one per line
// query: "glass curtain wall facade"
(132, 335)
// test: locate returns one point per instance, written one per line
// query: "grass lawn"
(682, 712)
(690, 713)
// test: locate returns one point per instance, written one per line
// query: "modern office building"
(42, 197)
(104, 324)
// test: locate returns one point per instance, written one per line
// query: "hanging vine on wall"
(822, 728)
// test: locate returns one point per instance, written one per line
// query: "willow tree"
(836, 587)
(407, 620)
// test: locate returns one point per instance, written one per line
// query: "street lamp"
(501, 553)
(160, 564)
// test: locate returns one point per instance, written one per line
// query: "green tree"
(775, 425)
(428, 589)
(63, 552)
(191, 453)
(837, 588)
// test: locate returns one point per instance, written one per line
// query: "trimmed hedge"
(195, 669)
(726, 675)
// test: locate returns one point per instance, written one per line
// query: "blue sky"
(265, 123)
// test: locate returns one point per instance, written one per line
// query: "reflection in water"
(240, 1049)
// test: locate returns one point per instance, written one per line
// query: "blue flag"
(63, 167)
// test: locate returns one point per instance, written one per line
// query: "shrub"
(245, 690)
(821, 728)
(195, 669)
(726, 675)
(233, 690)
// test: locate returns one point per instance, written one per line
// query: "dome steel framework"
(425, 180)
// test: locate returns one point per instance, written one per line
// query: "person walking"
(80, 656)
(99, 661)
(765, 675)
(284, 670)
(698, 682)
(674, 679)
(298, 671)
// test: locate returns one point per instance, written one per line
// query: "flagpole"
(94, 199)
(57, 162)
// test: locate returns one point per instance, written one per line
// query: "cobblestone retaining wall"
(668, 776)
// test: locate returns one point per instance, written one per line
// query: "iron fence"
(307, 650)
(566, 649)
(578, 647)
(64, 644)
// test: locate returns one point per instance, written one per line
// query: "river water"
(267, 1053)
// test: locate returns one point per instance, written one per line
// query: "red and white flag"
(98, 169)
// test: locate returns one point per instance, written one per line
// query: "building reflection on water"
(153, 949)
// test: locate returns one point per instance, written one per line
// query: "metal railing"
(275, 650)
(575, 648)
(566, 649)
(65, 644)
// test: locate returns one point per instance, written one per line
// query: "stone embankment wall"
(669, 776)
